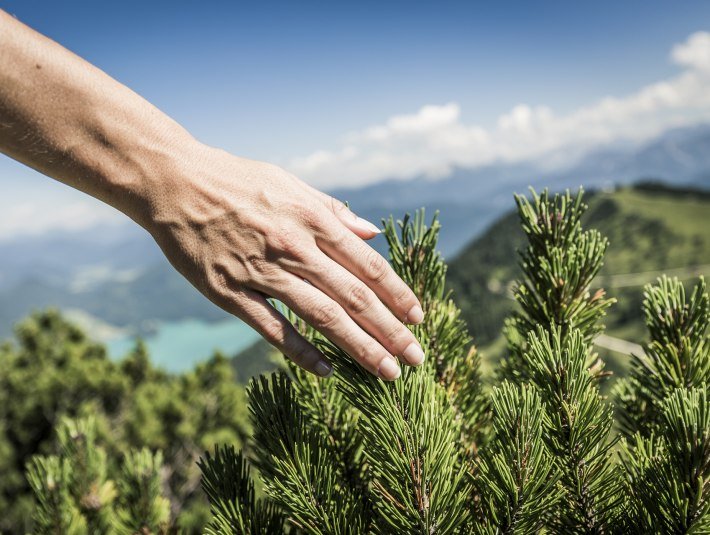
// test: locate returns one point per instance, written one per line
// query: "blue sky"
(303, 83)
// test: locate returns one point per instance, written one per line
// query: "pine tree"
(359, 455)
(550, 347)
(435, 453)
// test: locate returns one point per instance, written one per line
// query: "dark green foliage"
(668, 475)
(678, 355)
(55, 512)
(578, 436)
(549, 343)
(354, 454)
(293, 458)
(666, 414)
(357, 455)
(452, 359)
(235, 509)
(141, 506)
(53, 371)
(559, 263)
(517, 483)
(431, 453)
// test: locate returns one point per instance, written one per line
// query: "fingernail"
(389, 369)
(364, 224)
(324, 369)
(415, 315)
(413, 354)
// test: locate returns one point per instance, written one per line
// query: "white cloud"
(434, 140)
(73, 211)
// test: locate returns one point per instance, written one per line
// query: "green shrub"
(437, 452)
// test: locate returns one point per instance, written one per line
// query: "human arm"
(239, 230)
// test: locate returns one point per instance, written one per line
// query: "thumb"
(361, 227)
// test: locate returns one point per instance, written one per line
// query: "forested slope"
(652, 228)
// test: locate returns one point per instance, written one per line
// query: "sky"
(349, 93)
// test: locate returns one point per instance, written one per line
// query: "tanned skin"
(239, 230)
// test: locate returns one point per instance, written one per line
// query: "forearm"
(71, 121)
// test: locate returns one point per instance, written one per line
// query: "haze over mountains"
(118, 276)
(470, 200)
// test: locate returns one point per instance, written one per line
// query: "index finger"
(370, 267)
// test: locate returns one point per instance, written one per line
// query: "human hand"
(241, 231)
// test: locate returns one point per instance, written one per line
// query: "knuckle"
(309, 214)
(376, 267)
(404, 298)
(218, 283)
(336, 206)
(288, 244)
(274, 332)
(258, 265)
(298, 353)
(325, 315)
(399, 337)
(359, 299)
(336, 236)
(366, 354)
(395, 331)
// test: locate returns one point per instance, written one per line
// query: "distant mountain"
(469, 200)
(64, 257)
(119, 276)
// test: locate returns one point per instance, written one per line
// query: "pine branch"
(141, 506)
(549, 341)
(414, 256)
(226, 479)
(410, 441)
(91, 489)
(578, 434)
(335, 419)
(668, 475)
(438, 408)
(678, 355)
(294, 462)
(452, 359)
(517, 479)
(55, 513)
(559, 265)
(338, 423)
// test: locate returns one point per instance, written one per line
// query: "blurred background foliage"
(51, 370)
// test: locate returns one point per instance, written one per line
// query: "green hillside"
(651, 228)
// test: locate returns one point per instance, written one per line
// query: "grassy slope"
(651, 230)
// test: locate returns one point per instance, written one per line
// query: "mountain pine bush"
(438, 452)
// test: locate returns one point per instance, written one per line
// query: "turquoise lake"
(178, 346)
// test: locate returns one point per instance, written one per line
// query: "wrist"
(139, 161)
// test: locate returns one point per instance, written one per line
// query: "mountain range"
(117, 277)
